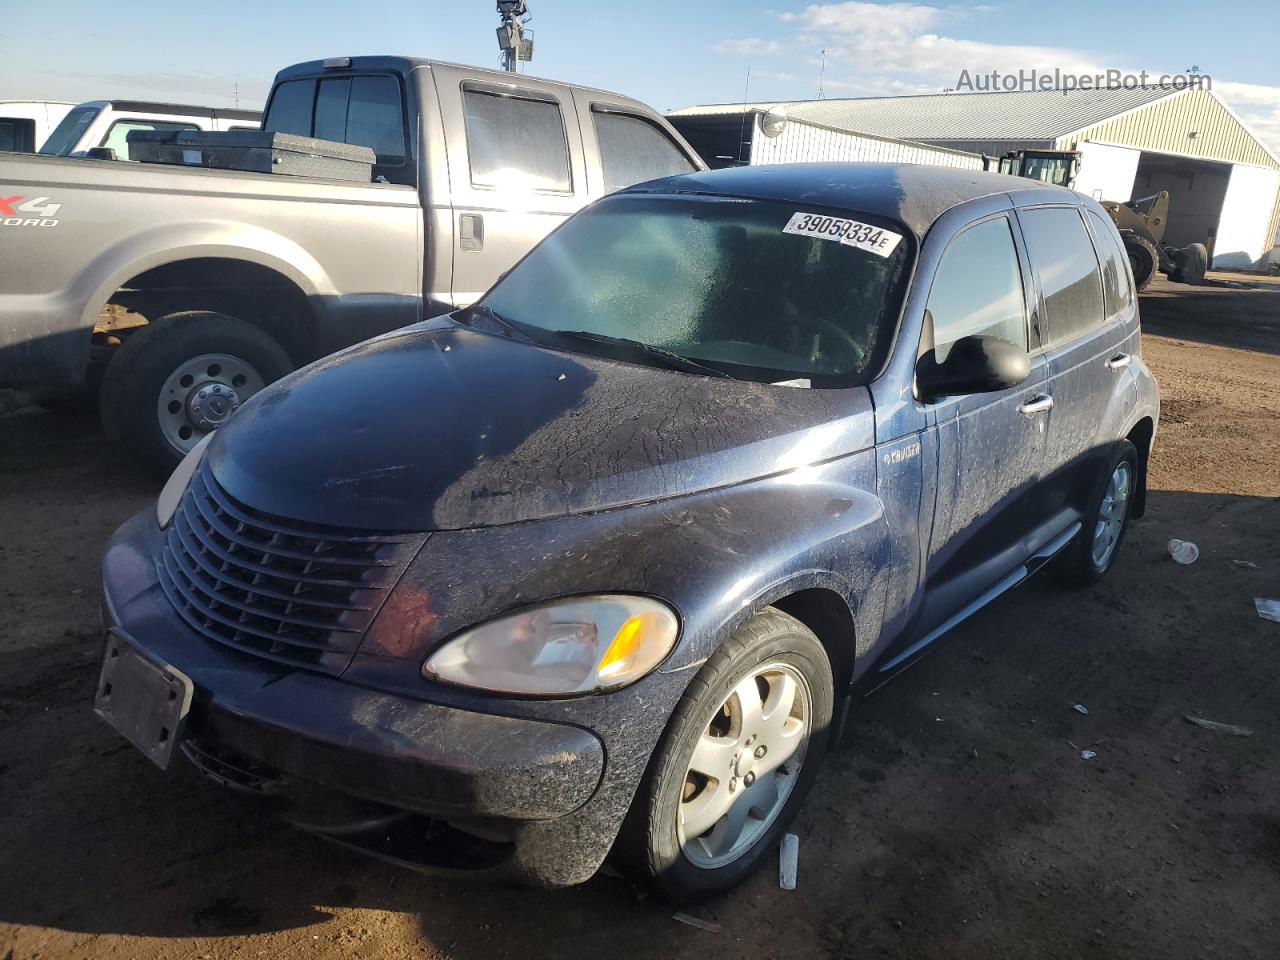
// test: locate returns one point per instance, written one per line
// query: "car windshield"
(757, 290)
(67, 134)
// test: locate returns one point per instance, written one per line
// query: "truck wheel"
(1143, 259)
(741, 751)
(1089, 555)
(1192, 261)
(182, 376)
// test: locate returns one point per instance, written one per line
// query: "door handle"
(471, 231)
(1119, 361)
(1035, 405)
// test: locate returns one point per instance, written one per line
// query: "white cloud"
(748, 47)
(889, 49)
(1257, 105)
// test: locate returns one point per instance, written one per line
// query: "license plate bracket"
(145, 700)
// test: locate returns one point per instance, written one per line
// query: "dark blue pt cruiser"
(597, 564)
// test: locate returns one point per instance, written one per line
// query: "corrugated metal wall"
(1164, 125)
(805, 143)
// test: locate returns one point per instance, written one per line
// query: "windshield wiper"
(672, 360)
(496, 319)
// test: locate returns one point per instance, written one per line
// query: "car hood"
(441, 427)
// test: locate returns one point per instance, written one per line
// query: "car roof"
(913, 194)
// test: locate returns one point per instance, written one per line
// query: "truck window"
(367, 111)
(633, 150)
(67, 134)
(1063, 257)
(291, 107)
(516, 143)
(17, 134)
(1115, 279)
(117, 137)
(977, 290)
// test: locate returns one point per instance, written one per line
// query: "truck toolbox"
(257, 151)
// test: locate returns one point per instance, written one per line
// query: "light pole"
(514, 43)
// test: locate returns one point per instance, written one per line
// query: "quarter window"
(977, 290)
(514, 142)
(633, 150)
(1115, 278)
(1063, 257)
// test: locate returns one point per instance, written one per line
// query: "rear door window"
(1115, 276)
(516, 142)
(1062, 255)
(117, 137)
(977, 290)
(633, 150)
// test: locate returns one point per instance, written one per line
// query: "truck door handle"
(1035, 405)
(470, 231)
(1119, 361)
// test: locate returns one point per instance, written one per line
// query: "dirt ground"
(958, 821)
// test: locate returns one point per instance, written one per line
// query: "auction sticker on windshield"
(864, 236)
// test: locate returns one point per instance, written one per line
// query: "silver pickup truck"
(186, 290)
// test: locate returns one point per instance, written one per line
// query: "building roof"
(912, 194)
(1021, 115)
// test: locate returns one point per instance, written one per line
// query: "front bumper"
(294, 733)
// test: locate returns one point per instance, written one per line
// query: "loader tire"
(1144, 259)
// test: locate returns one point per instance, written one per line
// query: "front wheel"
(182, 376)
(742, 749)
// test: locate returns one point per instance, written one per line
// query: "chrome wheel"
(744, 766)
(1112, 513)
(201, 394)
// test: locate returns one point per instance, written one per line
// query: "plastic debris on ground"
(1081, 708)
(1087, 754)
(1214, 725)
(1268, 608)
(708, 925)
(1244, 564)
(788, 861)
(1183, 551)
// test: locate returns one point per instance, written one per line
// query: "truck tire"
(739, 754)
(180, 377)
(1192, 261)
(1143, 258)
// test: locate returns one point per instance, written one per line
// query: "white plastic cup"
(1183, 551)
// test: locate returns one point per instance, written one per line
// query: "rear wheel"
(742, 749)
(181, 377)
(1090, 554)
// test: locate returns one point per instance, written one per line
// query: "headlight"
(176, 485)
(572, 646)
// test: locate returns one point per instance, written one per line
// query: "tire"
(241, 359)
(1144, 259)
(650, 846)
(1079, 564)
(1192, 262)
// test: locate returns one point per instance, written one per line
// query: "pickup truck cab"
(106, 125)
(24, 124)
(598, 562)
(184, 290)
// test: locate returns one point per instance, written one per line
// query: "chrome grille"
(296, 592)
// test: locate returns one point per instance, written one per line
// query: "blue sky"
(670, 54)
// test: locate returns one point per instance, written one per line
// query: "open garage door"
(1196, 190)
(1106, 171)
(1244, 228)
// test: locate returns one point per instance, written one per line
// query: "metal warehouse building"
(1223, 183)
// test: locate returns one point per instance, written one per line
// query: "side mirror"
(973, 365)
